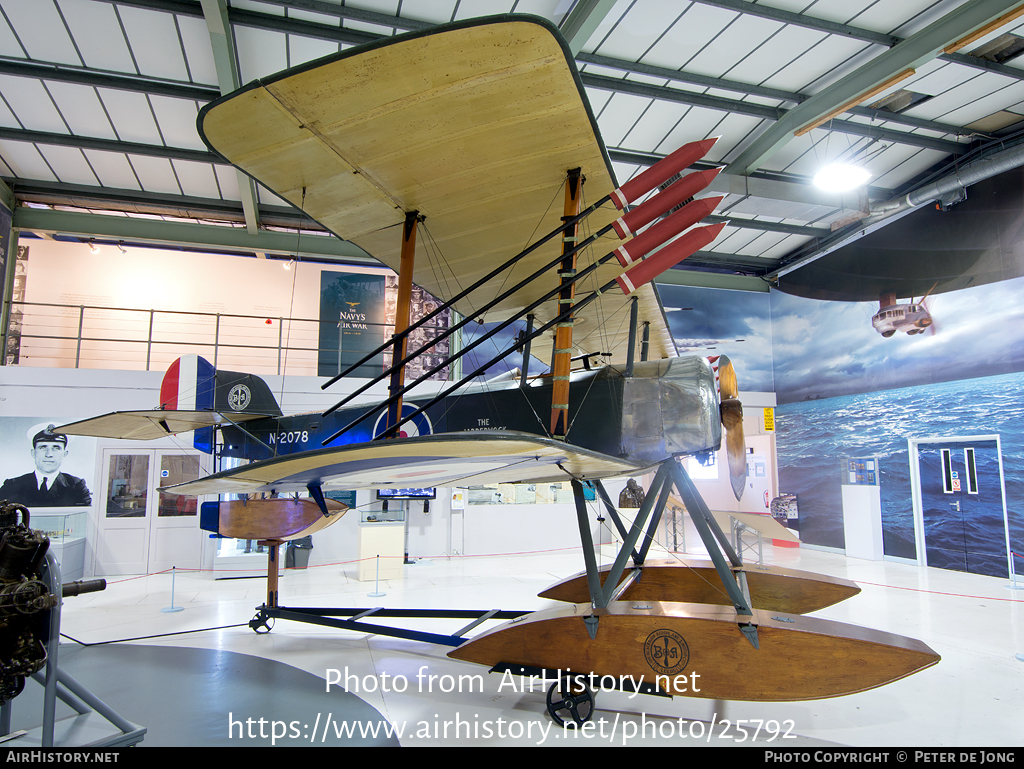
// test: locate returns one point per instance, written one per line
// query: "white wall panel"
(25, 161)
(155, 174)
(32, 104)
(98, 35)
(113, 169)
(70, 163)
(131, 115)
(82, 109)
(154, 42)
(41, 30)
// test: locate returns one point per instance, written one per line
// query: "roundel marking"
(666, 651)
(239, 397)
(418, 425)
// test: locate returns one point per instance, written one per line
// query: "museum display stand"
(862, 508)
(66, 532)
(382, 544)
(95, 725)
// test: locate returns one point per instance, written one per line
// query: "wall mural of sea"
(815, 435)
(845, 391)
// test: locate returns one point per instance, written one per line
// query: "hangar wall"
(845, 391)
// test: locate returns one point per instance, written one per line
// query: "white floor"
(973, 697)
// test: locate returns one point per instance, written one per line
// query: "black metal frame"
(328, 617)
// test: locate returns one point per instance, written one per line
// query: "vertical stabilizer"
(188, 385)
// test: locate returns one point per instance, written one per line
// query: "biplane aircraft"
(467, 132)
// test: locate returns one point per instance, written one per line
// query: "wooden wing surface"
(474, 125)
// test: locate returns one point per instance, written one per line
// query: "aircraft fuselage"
(665, 408)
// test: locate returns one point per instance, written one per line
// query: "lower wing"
(448, 459)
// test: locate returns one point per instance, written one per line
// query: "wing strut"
(626, 225)
(412, 218)
(561, 362)
(642, 272)
(667, 257)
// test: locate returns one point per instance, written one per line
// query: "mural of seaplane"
(474, 129)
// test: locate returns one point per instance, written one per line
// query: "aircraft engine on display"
(24, 598)
(27, 594)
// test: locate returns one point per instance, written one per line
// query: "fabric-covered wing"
(453, 459)
(759, 522)
(474, 125)
(150, 425)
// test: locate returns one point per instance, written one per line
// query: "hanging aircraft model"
(913, 318)
(468, 131)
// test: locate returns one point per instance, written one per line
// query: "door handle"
(955, 505)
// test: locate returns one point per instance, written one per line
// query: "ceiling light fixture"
(841, 177)
(93, 247)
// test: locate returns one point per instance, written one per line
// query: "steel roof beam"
(583, 19)
(736, 185)
(157, 203)
(82, 76)
(760, 185)
(223, 44)
(109, 145)
(301, 27)
(754, 90)
(777, 114)
(163, 233)
(766, 226)
(192, 8)
(856, 33)
(683, 276)
(715, 260)
(903, 58)
(321, 31)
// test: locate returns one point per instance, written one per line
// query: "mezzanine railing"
(84, 336)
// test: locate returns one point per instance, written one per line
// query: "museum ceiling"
(99, 99)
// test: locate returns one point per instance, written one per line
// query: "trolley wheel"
(570, 701)
(261, 623)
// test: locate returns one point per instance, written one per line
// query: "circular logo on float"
(666, 652)
(418, 425)
(239, 397)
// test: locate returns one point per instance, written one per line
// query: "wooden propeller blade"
(732, 420)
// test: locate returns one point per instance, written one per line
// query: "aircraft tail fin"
(193, 384)
(193, 396)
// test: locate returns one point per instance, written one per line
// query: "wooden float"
(282, 518)
(696, 650)
(772, 588)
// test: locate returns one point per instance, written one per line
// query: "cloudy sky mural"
(710, 321)
(825, 349)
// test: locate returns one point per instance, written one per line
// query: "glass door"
(143, 530)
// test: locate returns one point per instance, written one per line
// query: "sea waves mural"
(849, 392)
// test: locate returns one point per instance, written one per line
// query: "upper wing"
(447, 459)
(474, 125)
(149, 425)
